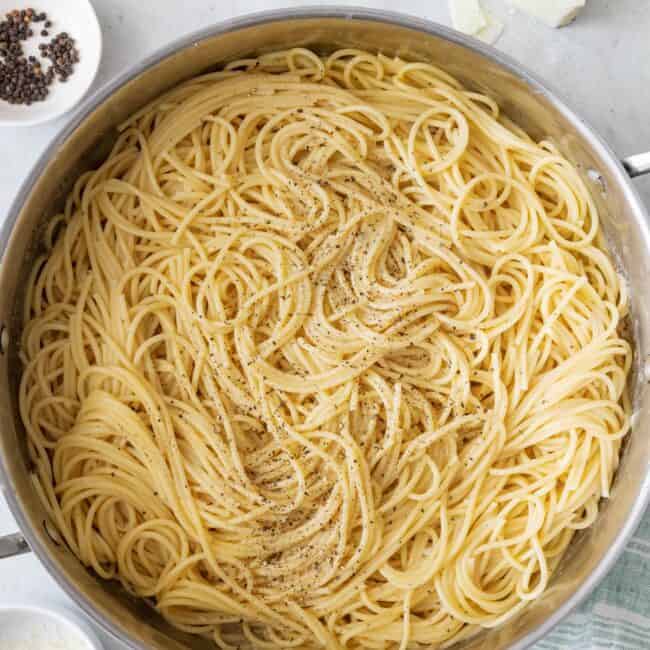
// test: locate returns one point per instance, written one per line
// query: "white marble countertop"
(601, 64)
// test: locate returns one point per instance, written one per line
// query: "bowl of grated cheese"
(39, 628)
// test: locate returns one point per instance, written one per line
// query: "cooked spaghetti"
(325, 355)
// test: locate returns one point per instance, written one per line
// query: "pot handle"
(638, 164)
(14, 544)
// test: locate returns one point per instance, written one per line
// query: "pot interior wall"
(86, 145)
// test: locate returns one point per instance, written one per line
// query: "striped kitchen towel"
(617, 615)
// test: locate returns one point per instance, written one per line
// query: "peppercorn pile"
(24, 79)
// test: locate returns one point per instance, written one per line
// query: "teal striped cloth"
(617, 615)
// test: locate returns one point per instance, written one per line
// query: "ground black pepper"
(23, 80)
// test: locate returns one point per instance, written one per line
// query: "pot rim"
(93, 101)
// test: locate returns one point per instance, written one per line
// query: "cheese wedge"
(492, 31)
(467, 16)
(555, 13)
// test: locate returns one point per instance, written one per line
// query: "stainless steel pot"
(86, 141)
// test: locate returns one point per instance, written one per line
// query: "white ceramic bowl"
(25, 626)
(78, 18)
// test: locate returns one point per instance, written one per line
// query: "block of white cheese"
(492, 31)
(467, 16)
(555, 13)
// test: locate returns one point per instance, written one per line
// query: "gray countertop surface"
(600, 64)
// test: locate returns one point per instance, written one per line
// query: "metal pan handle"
(638, 164)
(12, 545)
